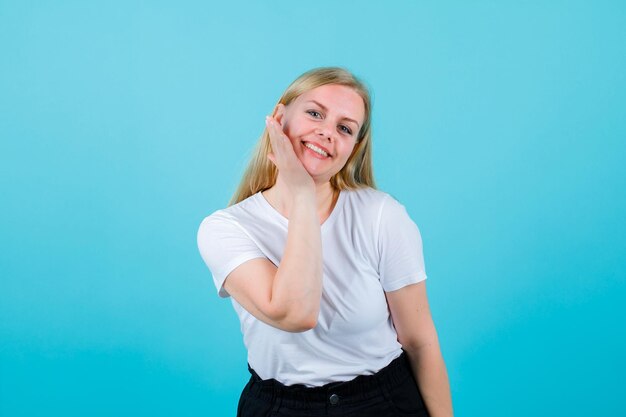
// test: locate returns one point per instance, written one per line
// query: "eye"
(314, 113)
(345, 129)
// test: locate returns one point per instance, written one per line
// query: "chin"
(316, 174)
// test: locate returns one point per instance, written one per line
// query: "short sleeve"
(399, 246)
(224, 245)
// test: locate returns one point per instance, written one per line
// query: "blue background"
(499, 125)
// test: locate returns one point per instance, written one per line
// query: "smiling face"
(323, 125)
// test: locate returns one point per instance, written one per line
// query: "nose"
(324, 130)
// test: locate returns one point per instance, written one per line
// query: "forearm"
(297, 286)
(430, 372)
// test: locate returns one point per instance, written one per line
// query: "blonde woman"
(325, 272)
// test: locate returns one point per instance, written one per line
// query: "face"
(323, 126)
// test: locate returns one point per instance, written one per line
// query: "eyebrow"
(325, 109)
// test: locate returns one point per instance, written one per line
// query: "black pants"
(390, 392)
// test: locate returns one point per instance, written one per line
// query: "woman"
(325, 272)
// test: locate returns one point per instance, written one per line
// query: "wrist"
(303, 196)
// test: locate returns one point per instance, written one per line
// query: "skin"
(288, 296)
(411, 317)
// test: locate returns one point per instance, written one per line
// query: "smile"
(316, 149)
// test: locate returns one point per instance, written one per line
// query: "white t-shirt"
(369, 246)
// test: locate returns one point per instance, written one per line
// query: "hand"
(283, 156)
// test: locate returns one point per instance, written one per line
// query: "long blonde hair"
(358, 172)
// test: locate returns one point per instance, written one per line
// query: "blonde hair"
(358, 172)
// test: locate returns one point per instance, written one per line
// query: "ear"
(279, 112)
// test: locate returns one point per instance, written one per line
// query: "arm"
(288, 296)
(416, 332)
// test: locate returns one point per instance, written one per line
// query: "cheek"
(347, 151)
(295, 143)
(288, 129)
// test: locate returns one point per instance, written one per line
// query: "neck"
(279, 197)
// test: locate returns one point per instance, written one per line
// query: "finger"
(278, 112)
(278, 140)
(281, 148)
(271, 131)
(275, 127)
(274, 143)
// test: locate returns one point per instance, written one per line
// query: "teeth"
(316, 149)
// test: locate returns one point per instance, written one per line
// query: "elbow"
(300, 323)
(299, 327)
(419, 344)
(296, 321)
(306, 324)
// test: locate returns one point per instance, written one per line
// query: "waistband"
(357, 389)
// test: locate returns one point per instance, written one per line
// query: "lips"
(319, 146)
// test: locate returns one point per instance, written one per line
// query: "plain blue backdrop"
(499, 125)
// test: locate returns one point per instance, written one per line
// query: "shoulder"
(373, 203)
(227, 229)
(235, 214)
(366, 198)
(380, 210)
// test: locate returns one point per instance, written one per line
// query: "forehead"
(344, 101)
